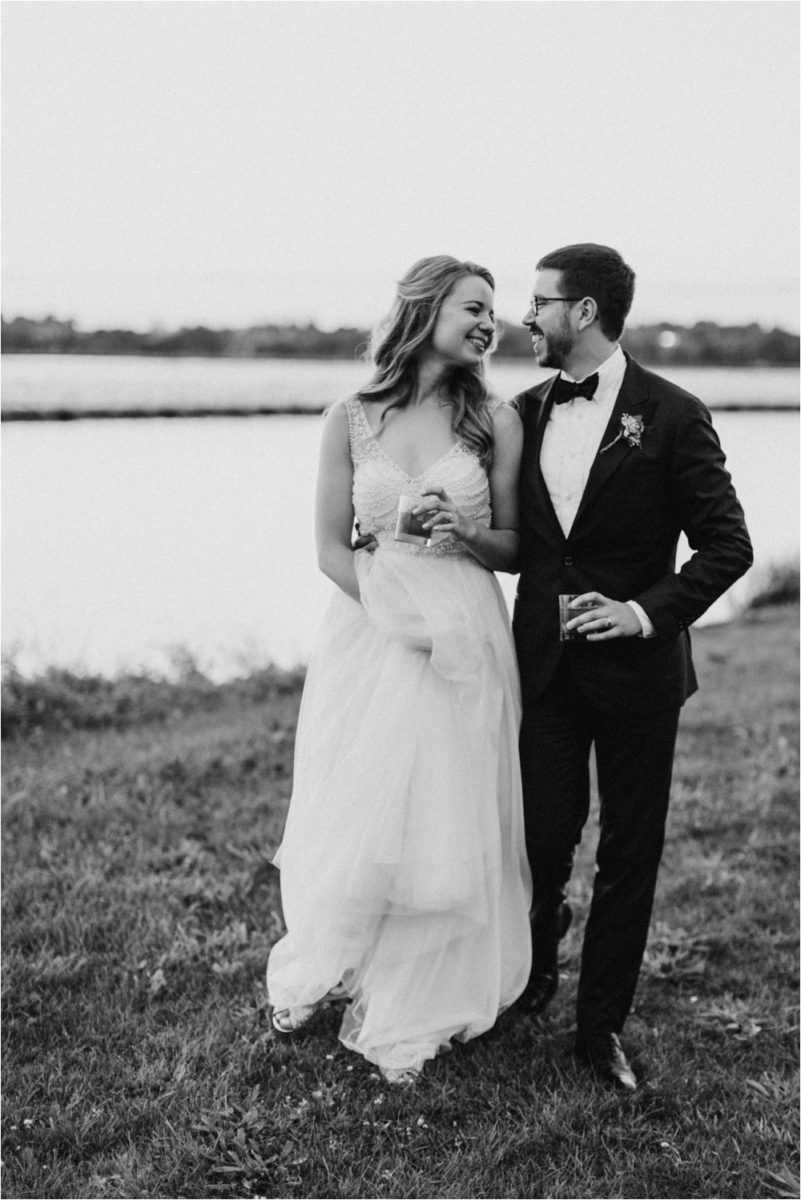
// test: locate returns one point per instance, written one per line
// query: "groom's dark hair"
(597, 271)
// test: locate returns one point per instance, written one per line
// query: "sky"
(231, 163)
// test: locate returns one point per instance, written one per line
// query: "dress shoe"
(544, 978)
(604, 1055)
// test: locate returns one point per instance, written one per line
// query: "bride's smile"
(466, 324)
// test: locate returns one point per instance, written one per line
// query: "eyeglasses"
(538, 302)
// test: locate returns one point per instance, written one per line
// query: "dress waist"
(440, 547)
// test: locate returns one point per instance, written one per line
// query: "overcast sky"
(234, 162)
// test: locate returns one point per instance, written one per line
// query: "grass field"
(140, 905)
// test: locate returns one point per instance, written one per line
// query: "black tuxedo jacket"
(637, 501)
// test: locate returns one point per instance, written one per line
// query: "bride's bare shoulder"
(505, 418)
(336, 427)
(338, 410)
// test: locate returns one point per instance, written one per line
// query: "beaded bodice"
(378, 481)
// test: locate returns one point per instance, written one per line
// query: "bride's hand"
(440, 515)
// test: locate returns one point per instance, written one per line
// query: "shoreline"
(59, 700)
(272, 410)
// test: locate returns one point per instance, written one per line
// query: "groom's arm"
(710, 515)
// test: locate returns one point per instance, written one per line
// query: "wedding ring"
(608, 624)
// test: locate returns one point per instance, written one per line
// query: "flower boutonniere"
(632, 427)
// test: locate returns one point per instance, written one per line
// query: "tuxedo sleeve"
(709, 514)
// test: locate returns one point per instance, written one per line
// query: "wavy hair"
(396, 343)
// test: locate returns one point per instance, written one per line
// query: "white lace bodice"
(378, 481)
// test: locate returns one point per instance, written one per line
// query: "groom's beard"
(555, 348)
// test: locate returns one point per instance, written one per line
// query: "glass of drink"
(568, 609)
(408, 527)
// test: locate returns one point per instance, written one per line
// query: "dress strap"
(362, 442)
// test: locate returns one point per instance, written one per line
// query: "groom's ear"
(588, 312)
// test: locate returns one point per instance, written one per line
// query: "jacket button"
(568, 561)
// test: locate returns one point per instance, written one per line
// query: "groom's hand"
(364, 541)
(607, 619)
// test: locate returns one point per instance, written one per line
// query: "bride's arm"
(495, 547)
(334, 505)
(503, 480)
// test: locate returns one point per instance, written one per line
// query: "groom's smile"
(552, 339)
(553, 347)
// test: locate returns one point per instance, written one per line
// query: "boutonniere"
(632, 427)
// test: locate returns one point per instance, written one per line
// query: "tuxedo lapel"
(632, 399)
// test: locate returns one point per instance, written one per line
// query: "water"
(50, 381)
(127, 540)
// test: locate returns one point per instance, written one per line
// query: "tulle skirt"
(403, 866)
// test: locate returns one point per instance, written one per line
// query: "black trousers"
(634, 756)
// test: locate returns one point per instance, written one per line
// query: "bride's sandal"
(400, 1076)
(292, 1020)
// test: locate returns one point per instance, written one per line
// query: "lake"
(129, 542)
(72, 382)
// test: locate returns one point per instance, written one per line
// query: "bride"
(403, 870)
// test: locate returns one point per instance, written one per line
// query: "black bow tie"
(566, 389)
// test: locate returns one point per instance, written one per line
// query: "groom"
(617, 462)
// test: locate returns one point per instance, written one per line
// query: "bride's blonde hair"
(397, 341)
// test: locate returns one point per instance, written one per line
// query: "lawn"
(140, 905)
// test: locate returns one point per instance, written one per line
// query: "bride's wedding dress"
(403, 865)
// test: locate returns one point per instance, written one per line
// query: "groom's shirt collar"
(610, 372)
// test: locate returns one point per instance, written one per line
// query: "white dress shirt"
(570, 445)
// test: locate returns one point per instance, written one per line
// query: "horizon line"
(157, 325)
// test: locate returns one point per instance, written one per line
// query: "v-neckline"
(392, 461)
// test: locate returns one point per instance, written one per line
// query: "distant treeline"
(703, 344)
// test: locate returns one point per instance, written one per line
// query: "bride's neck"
(430, 378)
